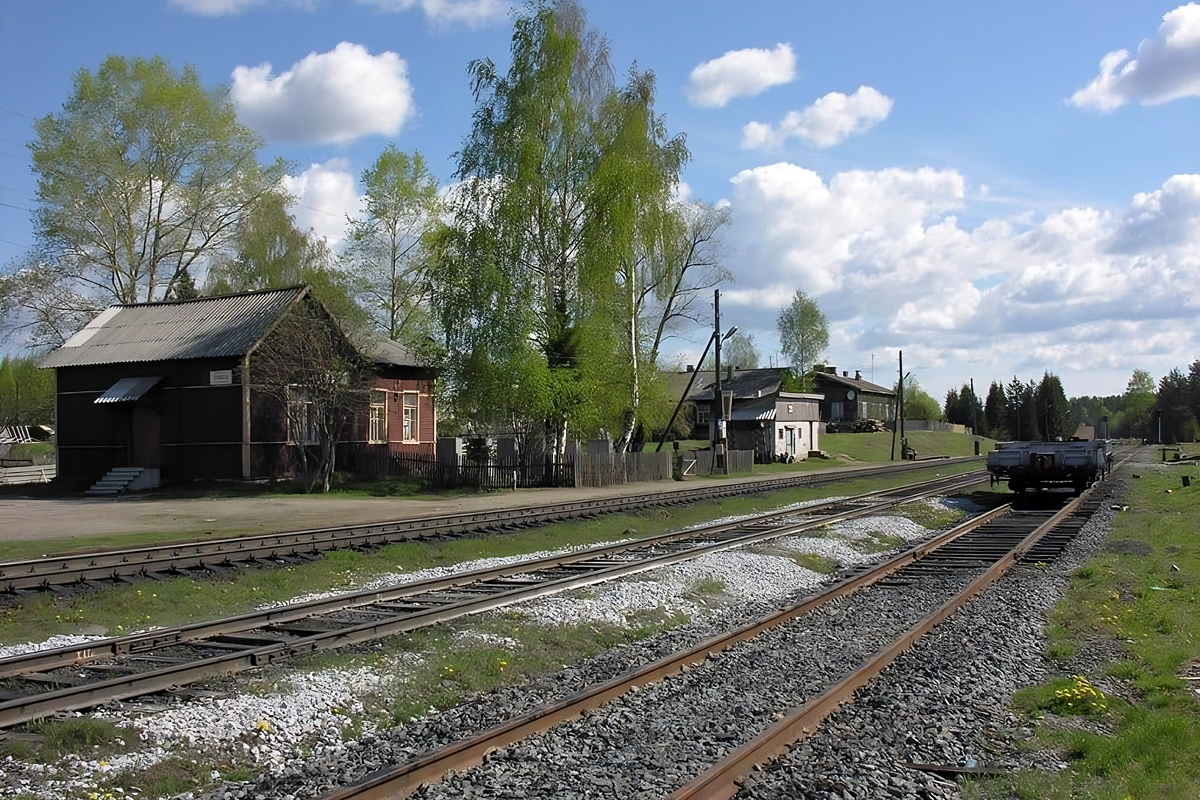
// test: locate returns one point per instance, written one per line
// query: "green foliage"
(1022, 410)
(26, 392)
(739, 351)
(566, 261)
(1139, 405)
(387, 253)
(995, 413)
(142, 177)
(1176, 408)
(1053, 413)
(962, 407)
(803, 332)
(918, 404)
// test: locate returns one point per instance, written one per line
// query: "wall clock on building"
(849, 394)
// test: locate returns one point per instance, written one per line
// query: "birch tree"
(386, 255)
(142, 179)
(522, 207)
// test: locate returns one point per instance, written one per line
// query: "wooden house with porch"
(168, 391)
(775, 424)
(847, 400)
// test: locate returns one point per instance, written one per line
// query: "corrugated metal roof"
(753, 414)
(385, 351)
(207, 327)
(127, 390)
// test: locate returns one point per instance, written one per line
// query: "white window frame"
(377, 417)
(301, 421)
(411, 431)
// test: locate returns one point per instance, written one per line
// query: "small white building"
(763, 417)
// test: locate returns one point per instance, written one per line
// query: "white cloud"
(326, 195)
(830, 120)
(215, 8)
(1082, 292)
(472, 13)
(740, 73)
(329, 97)
(1167, 67)
(442, 13)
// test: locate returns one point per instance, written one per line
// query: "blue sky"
(963, 181)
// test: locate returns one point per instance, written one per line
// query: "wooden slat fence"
(609, 469)
(739, 461)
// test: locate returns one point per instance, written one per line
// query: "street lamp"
(711, 339)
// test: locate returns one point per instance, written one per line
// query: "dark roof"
(207, 327)
(745, 383)
(853, 383)
(385, 351)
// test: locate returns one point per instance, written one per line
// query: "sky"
(998, 190)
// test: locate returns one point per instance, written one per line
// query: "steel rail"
(401, 780)
(266, 648)
(101, 565)
(720, 781)
(404, 779)
(71, 655)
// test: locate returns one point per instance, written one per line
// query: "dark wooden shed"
(168, 387)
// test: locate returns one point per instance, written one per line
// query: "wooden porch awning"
(127, 390)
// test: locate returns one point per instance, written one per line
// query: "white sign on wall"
(220, 377)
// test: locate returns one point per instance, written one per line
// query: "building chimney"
(691, 368)
(729, 374)
(858, 375)
(845, 374)
(831, 370)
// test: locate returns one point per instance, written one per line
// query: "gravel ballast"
(647, 743)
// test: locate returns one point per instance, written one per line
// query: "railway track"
(38, 684)
(968, 558)
(282, 549)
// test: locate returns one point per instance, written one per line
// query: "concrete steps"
(123, 479)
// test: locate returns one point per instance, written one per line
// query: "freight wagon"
(1048, 465)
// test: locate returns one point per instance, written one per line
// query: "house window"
(410, 417)
(781, 434)
(703, 412)
(378, 419)
(836, 410)
(302, 416)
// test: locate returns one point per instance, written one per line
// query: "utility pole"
(718, 415)
(900, 401)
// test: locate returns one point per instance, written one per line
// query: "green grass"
(928, 516)
(857, 448)
(1143, 596)
(38, 452)
(823, 565)
(874, 447)
(79, 736)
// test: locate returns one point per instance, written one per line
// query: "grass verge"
(1123, 710)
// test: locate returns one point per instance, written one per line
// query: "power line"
(320, 210)
(18, 208)
(17, 113)
(15, 244)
